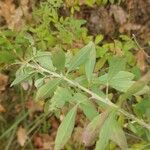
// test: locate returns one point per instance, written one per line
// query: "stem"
(95, 96)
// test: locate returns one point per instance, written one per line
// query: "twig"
(94, 95)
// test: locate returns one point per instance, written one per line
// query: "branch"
(94, 95)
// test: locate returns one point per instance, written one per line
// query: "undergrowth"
(79, 73)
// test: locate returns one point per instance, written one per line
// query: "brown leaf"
(129, 27)
(43, 141)
(2, 109)
(21, 136)
(91, 132)
(12, 15)
(34, 106)
(119, 14)
(141, 60)
(3, 82)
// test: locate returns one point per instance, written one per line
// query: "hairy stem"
(95, 96)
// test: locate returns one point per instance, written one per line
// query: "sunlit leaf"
(65, 129)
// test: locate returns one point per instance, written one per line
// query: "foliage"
(57, 98)
(81, 73)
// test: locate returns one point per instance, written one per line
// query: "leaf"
(122, 81)
(81, 57)
(91, 132)
(44, 59)
(116, 64)
(39, 82)
(140, 56)
(119, 14)
(6, 57)
(3, 82)
(47, 89)
(99, 38)
(21, 78)
(21, 136)
(58, 58)
(118, 136)
(99, 64)
(86, 105)
(90, 64)
(2, 109)
(115, 132)
(137, 86)
(142, 108)
(61, 96)
(65, 129)
(105, 132)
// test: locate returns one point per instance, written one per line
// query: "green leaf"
(44, 59)
(6, 57)
(142, 108)
(61, 96)
(118, 136)
(116, 64)
(112, 1)
(122, 81)
(99, 38)
(104, 2)
(58, 58)
(99, 64)
(65, 129)
(21, 77)
(90, 64)
(105, 132)
(47, 89)
(115, 132)
(81, 57)
(91, 132)
(138, 86)
(39, 82)
(86, 105)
